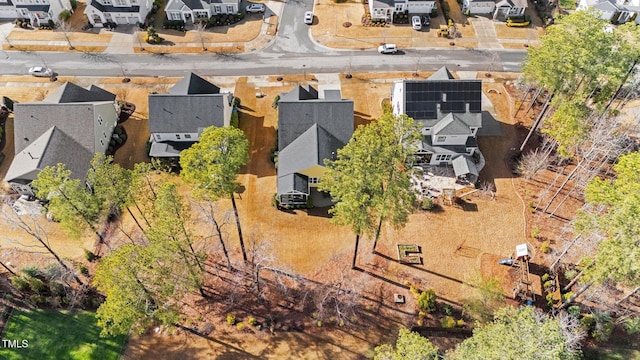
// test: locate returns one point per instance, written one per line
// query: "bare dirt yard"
(456, 242)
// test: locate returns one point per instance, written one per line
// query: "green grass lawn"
(58, 335)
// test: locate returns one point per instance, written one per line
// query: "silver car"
(255, 8)
(40, 71)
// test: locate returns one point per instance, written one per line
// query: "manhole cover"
(346, 24)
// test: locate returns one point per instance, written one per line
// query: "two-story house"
(117, 11)
(500, 9)
(69, 126)
(177, 119)
(190, 10)
(39, 12)
(311, 129)
(449, 112)
(384, 9)
(615, 11)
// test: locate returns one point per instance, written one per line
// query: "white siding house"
(190, 10)
(117, 11)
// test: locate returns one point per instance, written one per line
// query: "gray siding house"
(177, 119)
(449, 112)
(310, 129)
(69, 126)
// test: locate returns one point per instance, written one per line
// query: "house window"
(120, 3)
(230, 9)
(444, 97)
(314, 180)
(106, 2)
(100, 120)
(101, 142)
(441, 139)
(187, 136)
(178, 136)
(443, 157)
(104, 135)
(217, 9)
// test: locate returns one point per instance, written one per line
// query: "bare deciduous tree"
(66, 28)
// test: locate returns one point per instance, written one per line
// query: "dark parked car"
(425, 20)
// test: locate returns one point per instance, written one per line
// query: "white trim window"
(314, 180)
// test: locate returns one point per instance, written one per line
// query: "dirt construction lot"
(456, 241)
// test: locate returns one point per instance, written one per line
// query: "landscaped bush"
(274, 104)
(427, 301)
(252, 321)
(235, 118)
(173, 24)
(64, 15)
(152, 36)
(427, 204)
(231, 319)
(448, 322)
(545, 247)
(570, 274)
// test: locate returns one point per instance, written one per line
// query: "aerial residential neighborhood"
(376, 179)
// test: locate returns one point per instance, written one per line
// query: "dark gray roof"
(308, 150)
(72, 93)
(426, 146)
(75, 119)
(193, 4)
(463, 165)
(33, 7)
(293, 183)
(442, 74)
(51, 148)
(300, 108)
(111, 8)
(168, 148)
(193, 84)
(186, 113)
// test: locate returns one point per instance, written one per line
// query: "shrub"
(448, 322)
(574, 310)
(631, 325)
(38, 299)
(231, 319)
(587, 321)
(57, 289)
(235, 119)
(548, 284)
(426, 204)
(603, 326)
(447, 309)
(544, 277)
(32, 271)
(64, 15)
(38, 285)
(236, 101)
(319, 323)
(89, 255)
(460, 323)
(240, 326)
(427, 301)
(274, 104)
(83, 270)
(570, 274)
(567, 296)
(545, 247)
(535, 233)
(20, 283)
(74, 4)
(252, 321)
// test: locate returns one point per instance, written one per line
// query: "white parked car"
(387, 49)
(40, 71)
(415, 23)
(308, 17)
(255, 8)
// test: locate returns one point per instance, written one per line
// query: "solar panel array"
(422, 97)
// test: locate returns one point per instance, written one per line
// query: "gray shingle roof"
(442, 74)
(308, 150)
(463, 165)
(51, 148)
(426, 146)
(193, 84)
(72, 93)
(34, 119)
(293, 183)
(451, 125)
(299, 109)
(186, 113)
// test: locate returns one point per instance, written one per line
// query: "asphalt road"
(274, 60)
